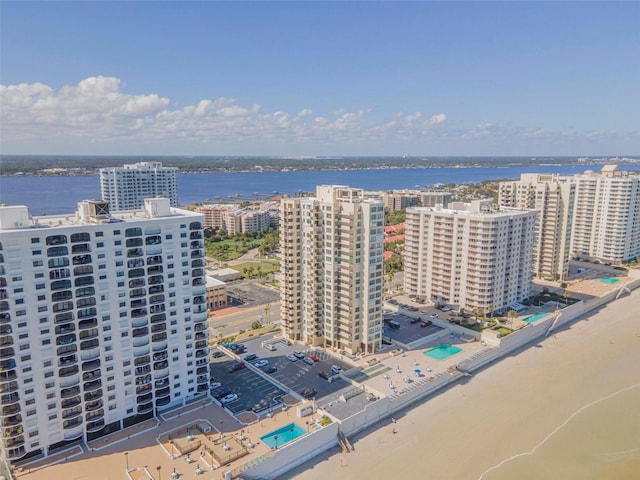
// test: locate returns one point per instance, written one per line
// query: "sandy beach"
(565, 408)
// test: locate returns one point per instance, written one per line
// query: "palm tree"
(490, 308)
(512, 314)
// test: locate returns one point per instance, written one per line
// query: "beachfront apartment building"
(126, 187)
(471, 255)
(606, 221)
(103, 321)
(332, 269)
(590, 216)
(553, 197)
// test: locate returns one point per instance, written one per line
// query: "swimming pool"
(609, 280)
(283, 435)
(535, 317)
(442, 351)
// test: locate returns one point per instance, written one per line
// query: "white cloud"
(99, 117)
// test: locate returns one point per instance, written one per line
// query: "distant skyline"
(320, 78)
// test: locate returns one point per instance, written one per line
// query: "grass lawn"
(266, 267)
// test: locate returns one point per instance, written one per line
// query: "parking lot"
(249, 293)
(408, 332)
(254, 391)
(298, 375)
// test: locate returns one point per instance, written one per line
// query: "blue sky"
(320, 78)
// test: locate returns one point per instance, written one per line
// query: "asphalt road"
(231, 323)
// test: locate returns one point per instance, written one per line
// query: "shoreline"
(504, 410)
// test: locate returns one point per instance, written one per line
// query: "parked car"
(414, 320)
(270, 347)
(214, 385)
(309, 393)
(270, 369)
(434, 315)
(249, 356)
(235, 367)
(261, 363)
(298, 355)
(232, 397)
(308, 361)
(217, 354)
(223, 392)
(335, 369)
(315, 358)
(291, 358)
(425, 323)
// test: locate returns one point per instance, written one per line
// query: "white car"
(232, 397)
(434, 315)
(291, 358)
(214, 385)
(336, 369)
(261, 363)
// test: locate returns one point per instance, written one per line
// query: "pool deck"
(148, 447)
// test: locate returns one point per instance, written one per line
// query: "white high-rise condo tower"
(103, 321)
(126, 187)
(470, 255)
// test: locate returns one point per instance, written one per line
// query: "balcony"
(156, 299)
(163, 392)
(92, 375)
(138, 312)
(156, 289)
(156, 280)
(67, 371)
(5, 318)
(140, 332)
(10, 410)
(141, 361)
(13, 432)
(89, 333)
(154, 270)
(161, 383)
(9, 398)
(160, 402)
(141, 350)
(142, 370)
(146, 408)
(143, 380)
(157, 357)
(143, 388)
(91, 386)
(160, 327)
(154, 260)
(69, 392)
(92, 396)
(89, 345)
(161, 365)
(95, 426)
(92, 365)
(11, 447)
(141, 302)
(71, 412)
(91, 406)
(144, 398)
(81, 260)
(71, 402)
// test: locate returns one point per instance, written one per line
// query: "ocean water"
(56, 195)
(602, 441)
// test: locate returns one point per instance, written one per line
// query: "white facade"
(554, 197)
(126, 187)
(332, 270)
(102, 321)
(606, 222)
(470, 255)
(590, 215)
